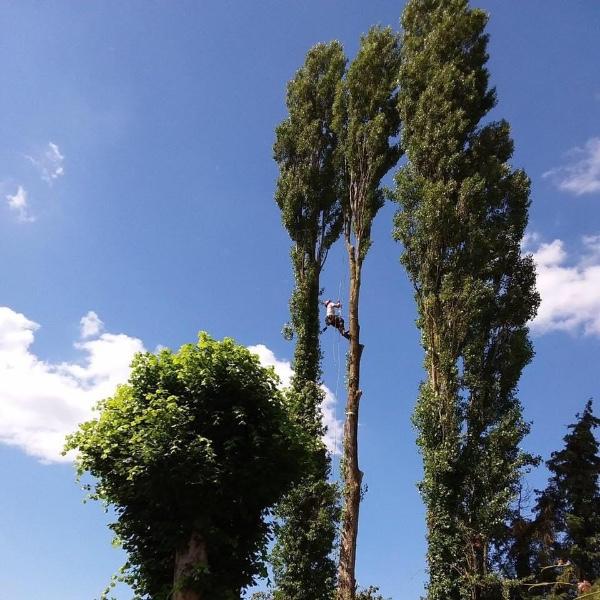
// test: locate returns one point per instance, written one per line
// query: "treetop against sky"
(136, 209)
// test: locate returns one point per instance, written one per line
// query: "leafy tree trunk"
(307, 197)
(187, 560)
(304, 569)
(351, 472)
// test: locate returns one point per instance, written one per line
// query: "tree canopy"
(205, 460)
(462, 218)
(191, 453)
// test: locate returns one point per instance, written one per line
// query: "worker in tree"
(333, 319)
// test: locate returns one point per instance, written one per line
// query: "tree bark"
(351, 472)
(186, 560)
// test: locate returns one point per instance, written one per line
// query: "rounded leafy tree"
(191, 454)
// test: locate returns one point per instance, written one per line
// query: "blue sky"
(136, 208)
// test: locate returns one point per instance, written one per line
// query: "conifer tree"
(462, 218)
(366, 120)
(572, 499)
(307, 196)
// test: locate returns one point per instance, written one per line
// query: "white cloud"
(570, 290)
(582, 174)
(90, 325)
(40, 402)
(49, 162)
(591, 244)
(335, 428)
(18, 203)
(283, 368)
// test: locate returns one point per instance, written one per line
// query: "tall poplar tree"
(366, 120)
(462, 218)
(307, 196)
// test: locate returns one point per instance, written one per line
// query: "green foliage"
(576, 469)
(287, 331)
(462, 217)
(366, 121)
(197, 443)
(370, 593)
(304, 150)
(261, 596)
(311, 511)
(515, 555)
(568, 510)
(307, 197)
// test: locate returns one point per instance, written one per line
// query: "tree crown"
(197, 440)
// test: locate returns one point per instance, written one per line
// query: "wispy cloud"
(283, 368)
(581, 174)
(569, 287)
(90, 325)
(530, 239)
(40, 402)
(49, 162)
(17, 202)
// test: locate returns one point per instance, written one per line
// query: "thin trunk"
(352, 474)
(186, 560)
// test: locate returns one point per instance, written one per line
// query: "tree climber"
(333, 319)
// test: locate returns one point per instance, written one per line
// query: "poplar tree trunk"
(186, 559)
(352, 474)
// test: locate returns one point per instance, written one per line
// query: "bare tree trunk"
(351, 472)
(186, 559)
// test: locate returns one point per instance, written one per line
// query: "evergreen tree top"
(568, 510)
(578, 463)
